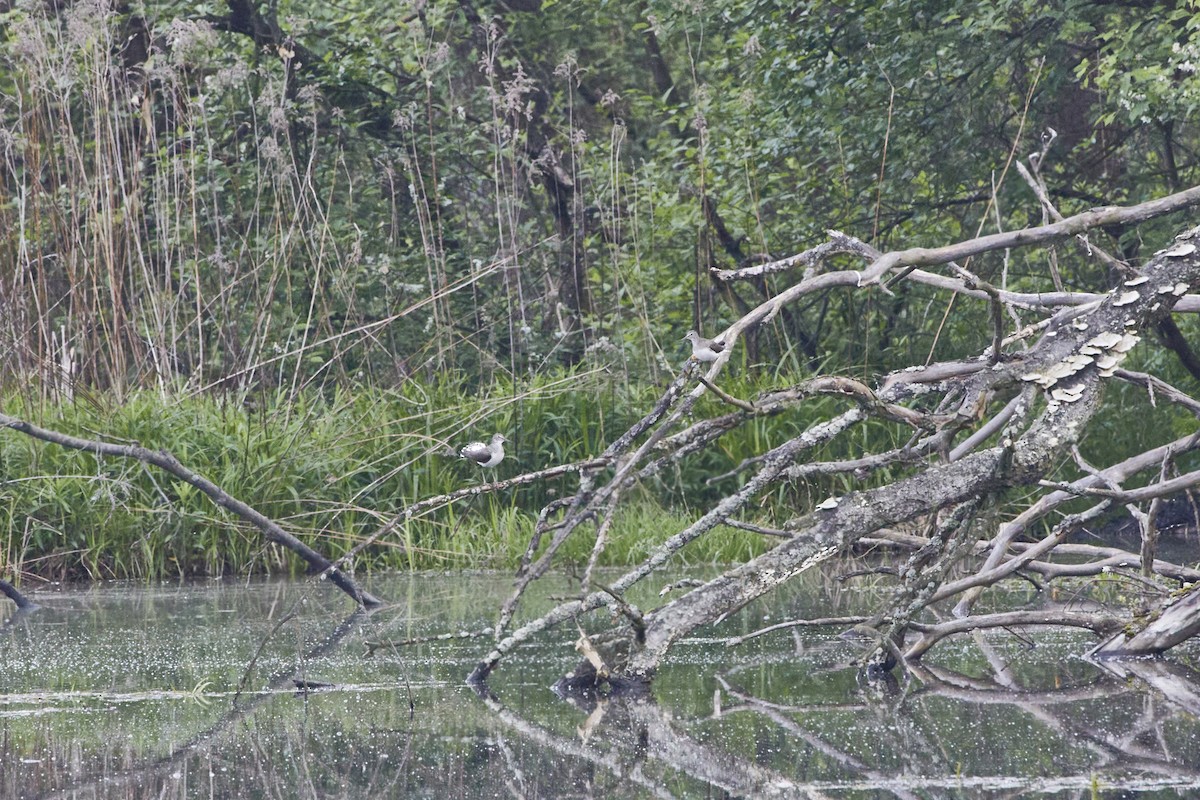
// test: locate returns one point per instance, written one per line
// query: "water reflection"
(192, 691)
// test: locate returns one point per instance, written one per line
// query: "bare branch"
(932, 634)
(1008, 532)
(1162, 488)
(796, 623)
(168, 463)
(989, 577)
(1155, 384)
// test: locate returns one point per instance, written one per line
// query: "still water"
(190, 691)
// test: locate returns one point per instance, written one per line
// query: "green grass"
(332, 469)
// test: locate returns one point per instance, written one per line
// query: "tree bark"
(1020, 463)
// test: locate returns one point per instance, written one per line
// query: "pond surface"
(129, 691)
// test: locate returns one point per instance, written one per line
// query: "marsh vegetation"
(267, 268)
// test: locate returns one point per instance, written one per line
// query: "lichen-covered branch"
(1019, 411)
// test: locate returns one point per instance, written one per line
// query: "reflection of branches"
(617, 763)
(1049, 706)
(631, 736)
(793, 728)
(283, 680)
(638, 741)
(1178, 684)
(20, 617)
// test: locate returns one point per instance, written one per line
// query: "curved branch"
(168, 463)
(1089, 620)
(12, 593)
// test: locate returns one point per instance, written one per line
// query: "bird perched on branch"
(485, 455)
(704, 349)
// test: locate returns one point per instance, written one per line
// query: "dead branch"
(168, 463)
(587, 500)
(1163, 488)
(781, 456)
(746, 526)
(728, 398)
(1037, 403)
(989, 577)
(1155, 385)
(906, 260)
(1008, 532)
(1178, 621)
(931, 634)
(12, 593)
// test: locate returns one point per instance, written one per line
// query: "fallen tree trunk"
(1158, 633)
(981, 428)
(1018, 461)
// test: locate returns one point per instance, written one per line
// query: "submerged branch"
(12, 593)
(931, 634)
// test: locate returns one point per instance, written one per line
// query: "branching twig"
(728, 398)
(1162, 488)
(1156, 385)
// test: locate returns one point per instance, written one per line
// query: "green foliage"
(318, 234)
(1148, 67)
(218, 213)
(332, 470)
